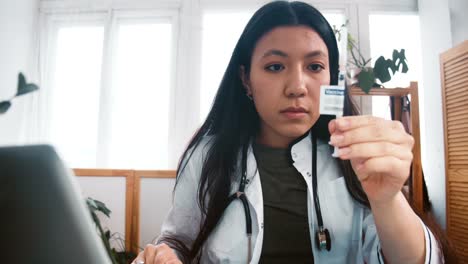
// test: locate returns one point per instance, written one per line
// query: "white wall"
(459, 20)
(435, 38)
(17, 21)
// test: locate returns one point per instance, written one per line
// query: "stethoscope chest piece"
(322, 238)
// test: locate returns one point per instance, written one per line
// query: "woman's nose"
(295, 85)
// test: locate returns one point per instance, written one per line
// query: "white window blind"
(221, 31)
(140, 97)
(75, 96)
(111, 93)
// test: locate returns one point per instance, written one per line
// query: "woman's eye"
(315, 67)
(274, 67)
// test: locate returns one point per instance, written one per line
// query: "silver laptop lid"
(44, 219)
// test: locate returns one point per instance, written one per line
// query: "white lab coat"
(351, 225)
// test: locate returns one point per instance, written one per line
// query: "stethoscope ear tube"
(322, 236)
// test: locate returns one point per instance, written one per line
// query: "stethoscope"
(322, 235)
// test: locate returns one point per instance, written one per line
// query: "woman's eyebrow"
(316, 53)
(275, 52)
(312, 54)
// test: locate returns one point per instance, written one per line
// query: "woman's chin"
(295, 132)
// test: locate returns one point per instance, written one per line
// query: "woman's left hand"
(380, 152)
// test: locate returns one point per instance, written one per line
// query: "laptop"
(43, 218)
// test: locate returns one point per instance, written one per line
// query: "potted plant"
(117, 257)
(361, 74)
(22, 88)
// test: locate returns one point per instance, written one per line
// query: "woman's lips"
(294, 112)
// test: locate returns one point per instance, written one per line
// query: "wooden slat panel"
(455, 98)
(459, 240)
(459, 162)
(459, 199)
(459, 247)
(456, 166)
(463, 207)
(459, 126)
(461, 214)
(458, 148)
(450, 149)
(460, 153)
(456, 67)
(453, 131)
(460, 226)
(456, 105)
(457, 158)
(458, 87)
(458, 215)
(459, 111)
(456, 81)
(457, 140)
(456, 121)
(459, 229)
(458, 71)
(454, 62)
(457, 135)
(458, 90)
(458, 184)
(458, 178)
(459, 190)
(459, 104)
(453, 90)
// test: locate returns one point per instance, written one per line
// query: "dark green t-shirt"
(286, 225)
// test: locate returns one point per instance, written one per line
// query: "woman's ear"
(245, 81)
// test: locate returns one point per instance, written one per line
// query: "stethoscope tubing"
(248, 218)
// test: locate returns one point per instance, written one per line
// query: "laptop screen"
(44, 219)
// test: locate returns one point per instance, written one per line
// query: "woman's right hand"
(157, 254)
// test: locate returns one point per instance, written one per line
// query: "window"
(111, 93)
(221, 31)
(139, 127)
(75, 101)
(395, 31)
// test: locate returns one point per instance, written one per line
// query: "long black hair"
(233, 121)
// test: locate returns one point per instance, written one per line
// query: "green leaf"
(91, 204)
(366, 79)
(102, 208)
(23, 87)
(399, 58)
(4, 106)
(381, 68)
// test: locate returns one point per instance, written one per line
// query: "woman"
(257, 182)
